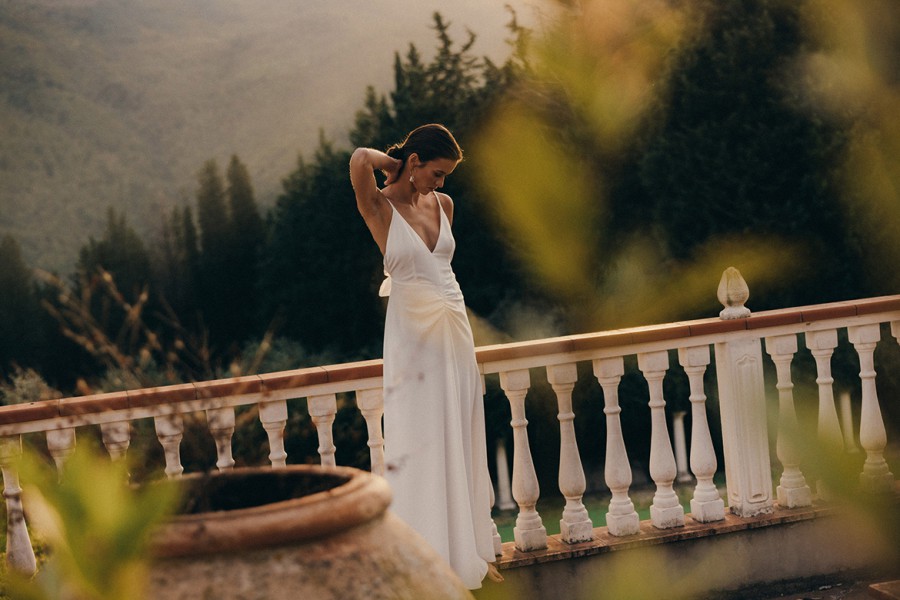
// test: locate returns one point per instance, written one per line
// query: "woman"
(435, 454)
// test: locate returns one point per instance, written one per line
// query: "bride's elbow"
(360, 156)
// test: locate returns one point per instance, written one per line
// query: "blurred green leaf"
(96, 524)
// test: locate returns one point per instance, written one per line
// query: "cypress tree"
(214, 282)
(212, 211)
(190, 244)
(180, 274)
(246, 236)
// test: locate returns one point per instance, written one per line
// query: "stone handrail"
(737, 344)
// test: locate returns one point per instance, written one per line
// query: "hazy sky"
(128, 98)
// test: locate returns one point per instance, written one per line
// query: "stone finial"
(732, 293)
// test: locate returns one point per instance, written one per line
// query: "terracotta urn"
(300, 532)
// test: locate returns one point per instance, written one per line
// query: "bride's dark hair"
(429, 142)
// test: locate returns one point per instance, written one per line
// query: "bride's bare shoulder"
(446, 204)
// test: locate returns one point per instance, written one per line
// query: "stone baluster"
(621, 519)
(679, 440)
(116, 438)
(273, 416)
(504, 491)
(876, 475)
(706, 505)
(529, 532)
(822, 344)
(895, 331)
(221, 427)
(495, 534)
(371, 405)
(847, 423)
(792, 490)
(61, 444)
(170, 431)
(322, 410)
(666, 511)
(575, 526)
(19, 553)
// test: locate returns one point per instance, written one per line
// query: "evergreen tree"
(190, 243)
(212, 211)
(245, 237)
(454, 77)
(214, 282)
(179, 274)
(109, 302)
(321, 276)
(121, 253)
(244, 213)
(446, 91)
(373, 122)
(410, 97)
(735, 153)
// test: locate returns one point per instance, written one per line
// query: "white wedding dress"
(435, 453)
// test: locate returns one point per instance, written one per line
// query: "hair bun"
(395, 151)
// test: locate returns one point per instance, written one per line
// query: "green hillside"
(119, 102)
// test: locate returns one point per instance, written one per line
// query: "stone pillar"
(742, 402)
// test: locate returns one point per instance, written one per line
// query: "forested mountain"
(119, 102)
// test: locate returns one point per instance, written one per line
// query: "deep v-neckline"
(415, 233)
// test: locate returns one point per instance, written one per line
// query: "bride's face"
(430, 176)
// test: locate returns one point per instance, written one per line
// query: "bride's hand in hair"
(393, 171)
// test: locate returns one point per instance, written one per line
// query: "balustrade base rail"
(824, 543)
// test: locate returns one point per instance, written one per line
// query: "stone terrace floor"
(846, 586)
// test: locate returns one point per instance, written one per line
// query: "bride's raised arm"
(363, 162)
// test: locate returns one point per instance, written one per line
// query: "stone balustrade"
(737, 340)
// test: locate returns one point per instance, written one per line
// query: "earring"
(412, 179)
